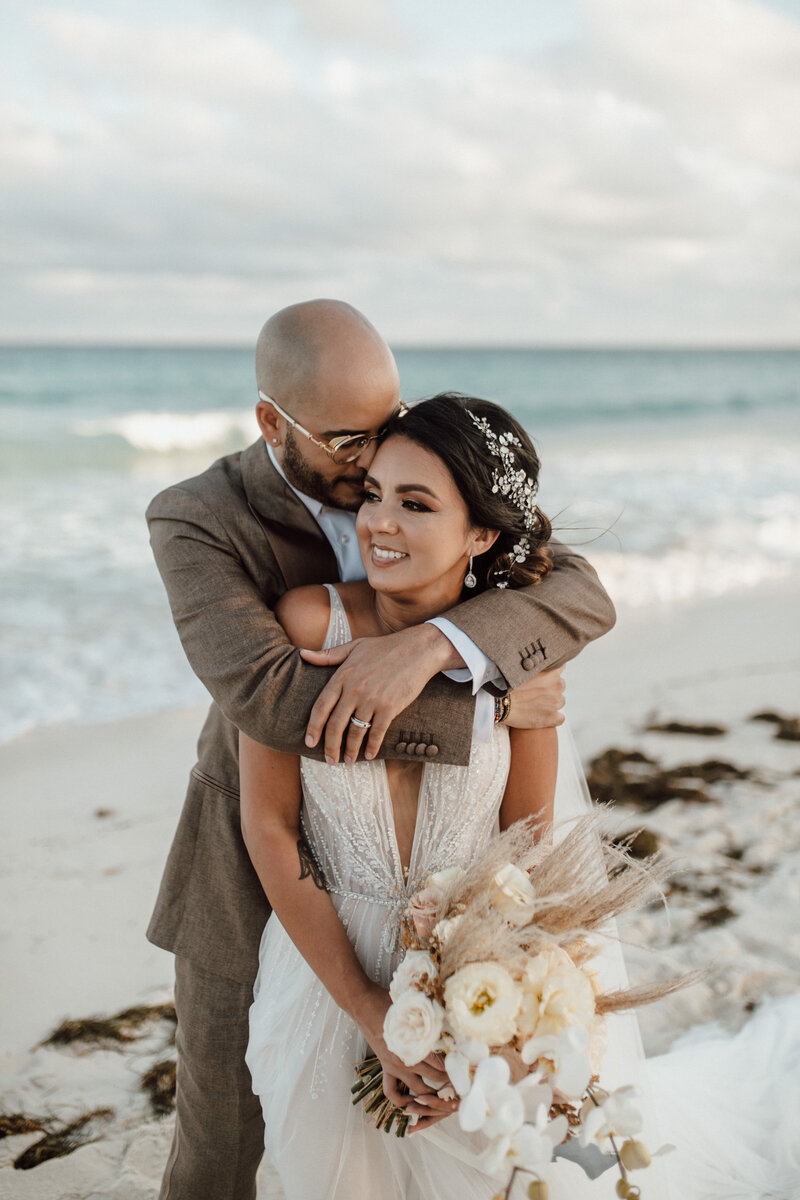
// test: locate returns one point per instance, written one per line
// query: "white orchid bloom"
(531, 1146)
(492, 1103)
(617, 1115)
(564, 1057)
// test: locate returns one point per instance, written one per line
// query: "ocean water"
(675, 471)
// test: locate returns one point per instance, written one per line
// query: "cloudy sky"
(521, 171)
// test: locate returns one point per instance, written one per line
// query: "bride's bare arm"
(296, 889)
(531, 785)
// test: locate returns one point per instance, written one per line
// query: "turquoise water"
(688, 459)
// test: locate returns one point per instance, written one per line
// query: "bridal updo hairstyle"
(443, 426)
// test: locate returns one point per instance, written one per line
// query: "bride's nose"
(380, 519)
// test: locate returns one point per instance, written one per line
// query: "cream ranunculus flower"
(555, 994)
(512, 892)
(414, 970)
(412, 1026)
(482, 1002)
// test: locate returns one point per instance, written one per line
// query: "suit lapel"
(301, 549)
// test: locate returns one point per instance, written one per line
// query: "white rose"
(555, 994)
(482, 1001)
(412, 1026)
(511, 891)
(445, 928)
(446, 878)
(414, 970)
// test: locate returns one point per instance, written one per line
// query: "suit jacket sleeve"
(526, 630)
(237, 648)
(239, 651)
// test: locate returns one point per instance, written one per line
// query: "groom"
(228, 544)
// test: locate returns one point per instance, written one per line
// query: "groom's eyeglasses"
(344, 449)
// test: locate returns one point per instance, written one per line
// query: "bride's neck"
(397, 610)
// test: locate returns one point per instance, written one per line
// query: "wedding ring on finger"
(359, 724)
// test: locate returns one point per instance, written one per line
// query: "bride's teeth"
(387, 555)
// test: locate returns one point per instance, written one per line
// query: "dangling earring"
(469, 578)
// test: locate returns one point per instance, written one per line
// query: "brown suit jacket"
(228, 544)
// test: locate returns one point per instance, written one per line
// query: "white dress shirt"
(339, 528)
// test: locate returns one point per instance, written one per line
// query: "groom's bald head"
(313, 355)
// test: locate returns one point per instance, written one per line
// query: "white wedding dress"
(303, 1048)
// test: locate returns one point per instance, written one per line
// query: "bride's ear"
(483, 540)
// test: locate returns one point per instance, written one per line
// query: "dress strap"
(338, 626)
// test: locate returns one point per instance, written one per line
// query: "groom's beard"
(337, 492)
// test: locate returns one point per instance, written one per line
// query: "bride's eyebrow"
(402, 488)
(416, 487)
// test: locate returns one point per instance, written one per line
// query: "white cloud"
(641, 182)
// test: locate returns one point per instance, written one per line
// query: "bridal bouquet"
(499, 977)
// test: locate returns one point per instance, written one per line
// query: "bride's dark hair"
(444, 426)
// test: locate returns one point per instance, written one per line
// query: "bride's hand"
(422, 1080)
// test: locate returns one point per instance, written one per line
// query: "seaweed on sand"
(124, 1027)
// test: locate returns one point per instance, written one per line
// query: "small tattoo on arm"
(310, 866)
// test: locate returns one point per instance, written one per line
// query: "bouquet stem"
(368, 1090)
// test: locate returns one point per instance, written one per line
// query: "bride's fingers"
(429, 1118)
(430, 1102)
(391, 1090)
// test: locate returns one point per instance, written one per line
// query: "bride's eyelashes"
(411, 505)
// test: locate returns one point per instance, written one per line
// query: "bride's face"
(413, 525)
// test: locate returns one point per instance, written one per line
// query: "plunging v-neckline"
(403, 873)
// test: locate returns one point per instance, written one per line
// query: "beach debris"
(788, 728)
(715, 916)
(687, 727)
(630, 777)
(102, 813)
(57, 1143)
(159, 1083)
(13, 1124)
(125, 1026)
(641, 844)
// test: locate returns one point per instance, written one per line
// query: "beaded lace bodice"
(349, 821)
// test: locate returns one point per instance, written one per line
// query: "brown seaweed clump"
(630, 777)
(58, 1143)
(124, 1027)
(13, 1124)
(159, 1083)
(687, 727)
(787, 728)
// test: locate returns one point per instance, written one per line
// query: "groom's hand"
(377, 678)
(537, 704)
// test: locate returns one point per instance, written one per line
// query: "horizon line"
(490, 347)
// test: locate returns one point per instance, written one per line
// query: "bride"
(448, 505)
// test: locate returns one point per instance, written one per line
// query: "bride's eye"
(416, 506)
(368, 497)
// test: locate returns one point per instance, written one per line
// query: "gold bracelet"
(502, 707)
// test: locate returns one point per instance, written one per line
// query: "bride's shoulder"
(304, 613)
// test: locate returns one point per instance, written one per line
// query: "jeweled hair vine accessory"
(511, 481)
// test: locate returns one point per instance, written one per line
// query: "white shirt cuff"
(483, 720)
(479, 669)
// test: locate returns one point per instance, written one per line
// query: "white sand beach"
(88, 815)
